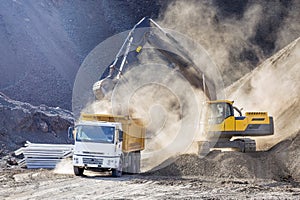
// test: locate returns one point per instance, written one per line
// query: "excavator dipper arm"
(148, 31)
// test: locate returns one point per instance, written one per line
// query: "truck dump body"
(133, 129)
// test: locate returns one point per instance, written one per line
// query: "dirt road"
(43, 184)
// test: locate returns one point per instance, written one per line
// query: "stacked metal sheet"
(43, 155)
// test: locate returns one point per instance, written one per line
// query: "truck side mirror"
(70, 132)
(120, 135)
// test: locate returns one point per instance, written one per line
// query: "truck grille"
(94, 161)
(89, 152)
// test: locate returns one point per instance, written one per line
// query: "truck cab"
(107, 143)
(98, 145)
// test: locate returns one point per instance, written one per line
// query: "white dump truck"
(107, 143)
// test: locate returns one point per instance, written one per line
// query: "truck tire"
(137, 164)
(78, 171)
(132, 167)
(134, 162)
(118, 172)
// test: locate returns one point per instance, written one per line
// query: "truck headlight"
(75, 159)
(110, 162)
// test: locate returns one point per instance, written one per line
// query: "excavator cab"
(221, 116)
(219, 111)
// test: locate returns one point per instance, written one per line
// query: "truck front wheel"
(118, 172)
(78, 171)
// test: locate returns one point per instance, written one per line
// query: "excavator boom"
(147, 31)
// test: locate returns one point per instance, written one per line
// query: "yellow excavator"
(222, 123)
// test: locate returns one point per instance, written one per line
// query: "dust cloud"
(290, 28)
(169, 106)
(198, 20)
(236, 43)
(158, 92)
(273, 87)
(65, 166)
(98, 107)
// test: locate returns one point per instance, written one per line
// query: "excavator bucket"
(103, 88)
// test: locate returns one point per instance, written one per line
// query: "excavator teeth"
(97, 90)
(103, 87)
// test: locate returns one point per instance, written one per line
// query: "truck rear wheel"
(78, 171)
(135, 162)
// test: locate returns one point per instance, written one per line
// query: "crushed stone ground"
(44, 184)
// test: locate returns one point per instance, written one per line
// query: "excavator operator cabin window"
(228, 111)
(219, 112)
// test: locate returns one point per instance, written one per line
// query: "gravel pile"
(279, 163)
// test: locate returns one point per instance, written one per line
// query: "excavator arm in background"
(147, 31)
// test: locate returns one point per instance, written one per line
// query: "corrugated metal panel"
(43, 155)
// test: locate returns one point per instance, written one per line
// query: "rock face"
(44, 42)
(21, 121)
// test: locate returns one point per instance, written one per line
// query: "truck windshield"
(101, 134)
